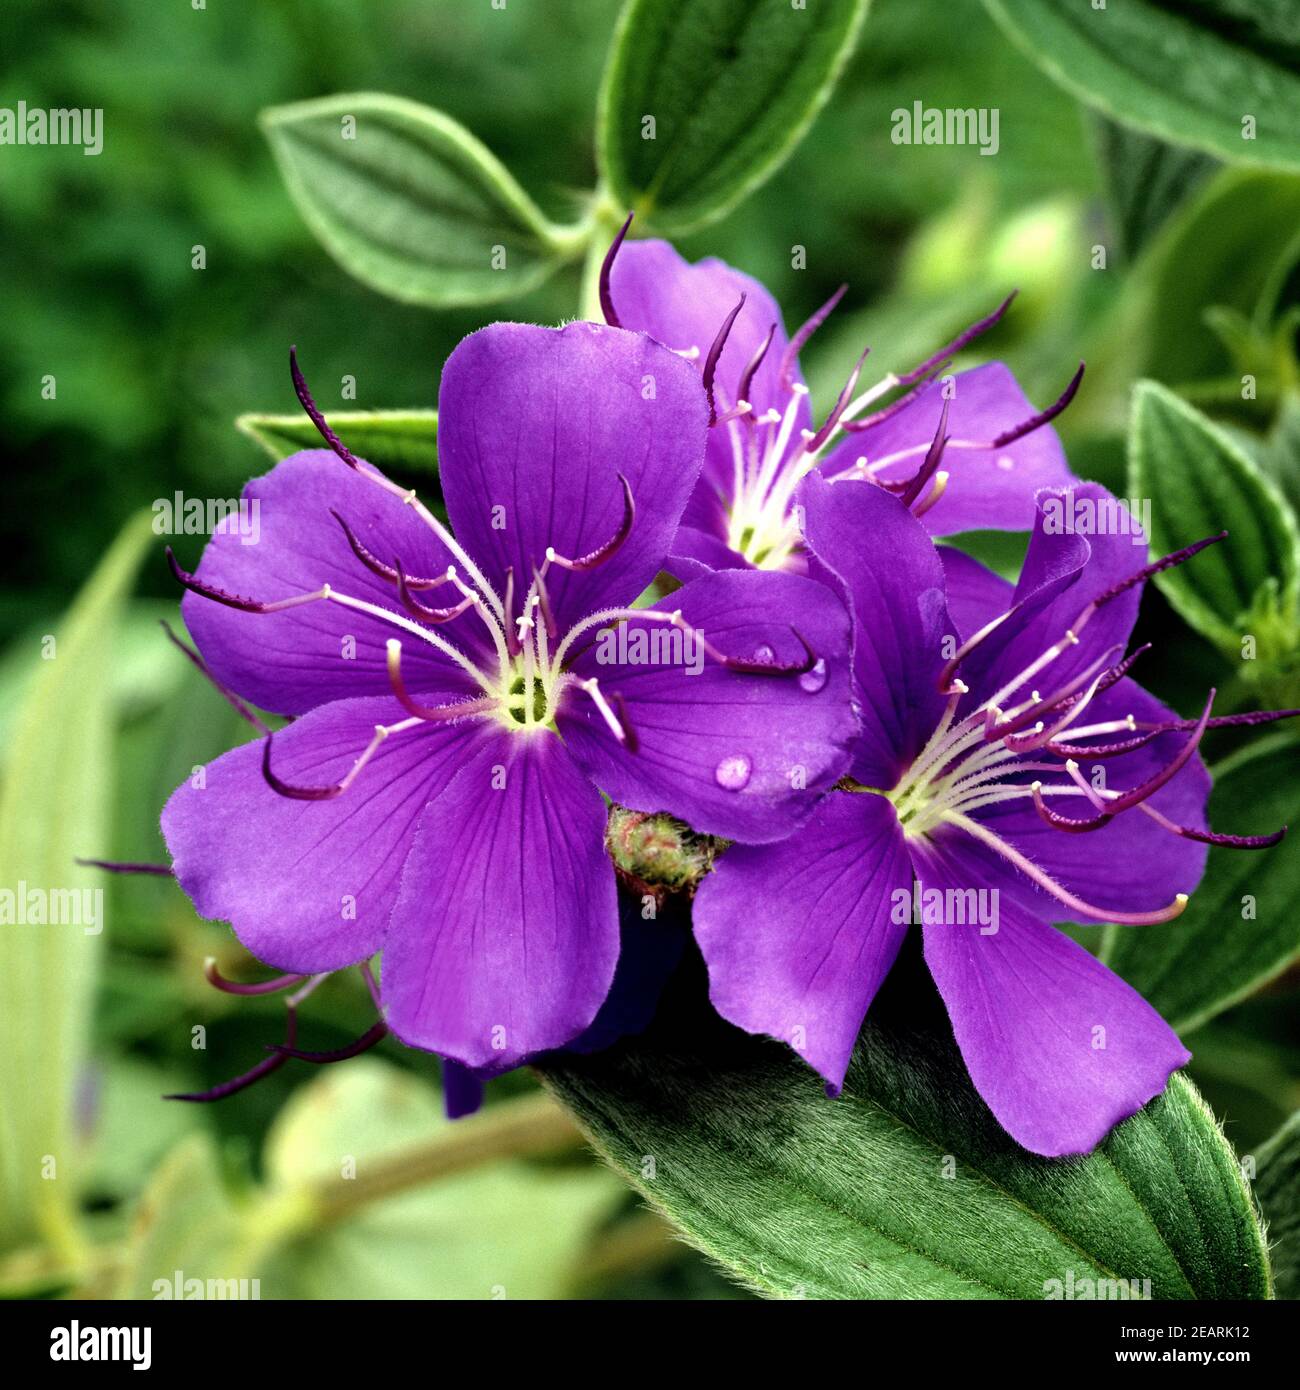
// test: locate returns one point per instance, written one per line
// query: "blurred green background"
(154, 360)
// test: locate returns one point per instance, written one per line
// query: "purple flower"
(457, 698)
(1009, 775)
(966, 452)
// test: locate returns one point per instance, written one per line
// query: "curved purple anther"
(377, 567)
(376, 1033)
(544, 603)
(431, 616)
(606, 270)
(796, 344)
(1151, 732)
(1175, 764)
(1136, 795)
(755, 362)
(242, 709)
(1177, 557)
(1042, 418)
(263, 1068)
(753, 667)
(1225, 721)
(933, 457)
(282, 788)
(197, 586)
(630, 740)
(892, 409)
(245, 605)
(1115, 675)
(1097, 751)
(217, 980)
(604, 552)
(427, 712)
(513, 644)
(314, 414)
(841, 404)
(1214, 837)
(960, 341)
(117, 866)
(714, 353)
(1066, 823)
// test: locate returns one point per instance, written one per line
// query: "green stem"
(605, 222)
(523, 1128)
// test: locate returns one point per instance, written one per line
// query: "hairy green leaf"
(1229, 245)
(905, 1186)
(1219, 75)
(704, 99)
(411, 203)
(1146, 179)
(1200, 483)
(1277, 1188)
(1240, 928)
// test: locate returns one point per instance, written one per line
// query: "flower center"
(957, 772)
(997, 752)
(525, 699)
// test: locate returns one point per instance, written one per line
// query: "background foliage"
(154, 360)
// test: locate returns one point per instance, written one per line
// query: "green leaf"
(411, 203)
(402, 439)
(1229, 245)
(1281, 455)
(185, 1222)
(1146, 179)
(1277, 1189)
(1199, 483)
(905, 1186)
(53, 808)
(506, 1229)
(1191, 75)
(731, 86)
(1240, 928)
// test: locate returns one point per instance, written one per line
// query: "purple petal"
(895, 580)
(798, 936)
(1063, 571)
(504, 937)
(697, 553)
(988, 489)
(975, 594)
(294, 660)
(309, 885)
(683, 305)
(1060, 1048)
(535, 426)
(745, 756)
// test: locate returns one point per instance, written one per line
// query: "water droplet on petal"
(765, 654)
(815, 679)
(1006, 462)
(732, 774)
